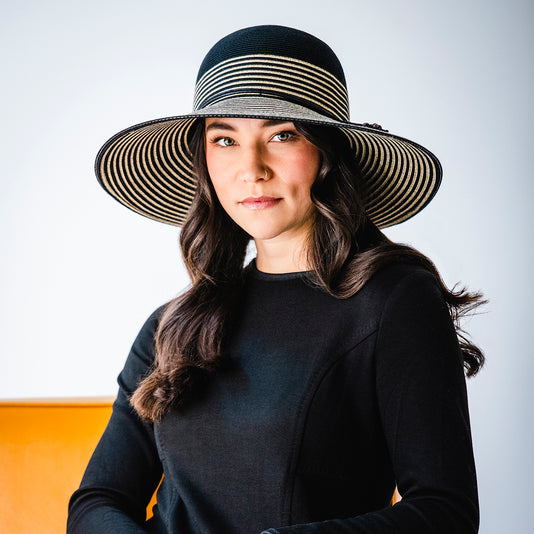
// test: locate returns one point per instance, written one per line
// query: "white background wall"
(80, 273)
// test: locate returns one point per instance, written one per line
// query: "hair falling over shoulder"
(345, 249)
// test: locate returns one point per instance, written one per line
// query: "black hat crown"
(277, 62)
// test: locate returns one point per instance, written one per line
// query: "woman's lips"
(259, 203)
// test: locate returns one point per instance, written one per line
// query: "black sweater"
(324, 406)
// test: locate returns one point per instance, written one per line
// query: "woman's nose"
(253, 166)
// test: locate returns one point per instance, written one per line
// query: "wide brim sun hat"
(268, 72)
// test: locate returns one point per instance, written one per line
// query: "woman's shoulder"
(396, 276)
(152, 322)
(142, 353)
(395, 288)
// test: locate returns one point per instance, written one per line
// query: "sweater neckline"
(254, 272)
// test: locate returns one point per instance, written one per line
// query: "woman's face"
(263, 171)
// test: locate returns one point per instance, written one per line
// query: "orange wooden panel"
(44, 448)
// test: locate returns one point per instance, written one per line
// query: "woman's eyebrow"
(219, 126)
(274, 122)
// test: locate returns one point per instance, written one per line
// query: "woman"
(290, 395)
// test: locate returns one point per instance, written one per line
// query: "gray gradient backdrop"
(80, 273)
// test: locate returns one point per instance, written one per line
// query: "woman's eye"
(224, 141)
(283, 136)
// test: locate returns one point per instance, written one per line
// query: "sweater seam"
(300, 425)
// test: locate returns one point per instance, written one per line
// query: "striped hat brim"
(148, 167)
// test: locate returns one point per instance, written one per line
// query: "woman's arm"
(422, 399)
(124, 470)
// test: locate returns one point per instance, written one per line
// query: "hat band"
(284, 78)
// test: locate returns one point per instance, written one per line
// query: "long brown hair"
(345, 249)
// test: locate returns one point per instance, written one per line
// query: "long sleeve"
(125, 469)
(422, 402)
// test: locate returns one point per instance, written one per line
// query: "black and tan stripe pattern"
(148, 167)
(401, 177)
(149, 171)
(279, 77)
